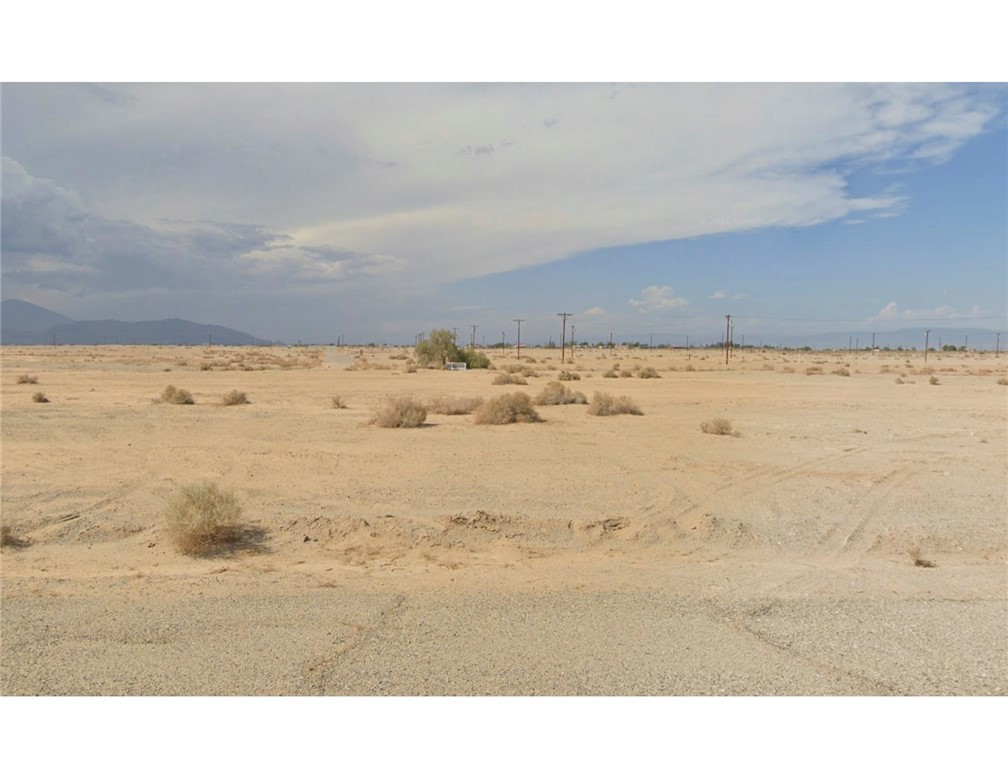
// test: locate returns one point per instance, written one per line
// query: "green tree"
(438, 349)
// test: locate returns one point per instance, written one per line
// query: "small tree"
(439, 348)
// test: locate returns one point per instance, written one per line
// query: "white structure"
(456, 366)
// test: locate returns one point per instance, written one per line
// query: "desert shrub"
(508, 378)
(648, 372)
(400, 412)
(438, 349)
(567, 375)
(787, 369)
(7, 537)
(475, 360)
(813, 370)
(411, 368)
(933, 380)
(24, 378)
(234, 397)
(531, 360)
(506, 409)
(201, 518)
(842, 371)
(919, 560)
(1003, 382)
(528, 372)
(176, 396)
(206, 366)
(338, 402)
(512, 368)
(39, 397)
(398, 356)
(899, 380)
(717, 426)
(610, 374)
(555, 393)
(626, 373)
(604, 404)
(453, 406)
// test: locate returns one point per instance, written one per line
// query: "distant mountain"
(21, 326)
(20, 316)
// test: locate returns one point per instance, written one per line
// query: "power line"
(563, 337)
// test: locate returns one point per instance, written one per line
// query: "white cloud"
(658, 298)
(891, 311)
(596, 311)
(717, 296)
(740, 296)
(431, 176)
(923, 314)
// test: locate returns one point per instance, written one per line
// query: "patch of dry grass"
(604, 404)
(507, 409)
(567, 375)
(202, 518)
(234, 397)
(813, 370)
(556, 393)
(502, 379)
(176, 396)
(39, 397)
(338, 402)
(933, 380)
(842, 371)
(648, 372)
(453, 406)
(24, 378)
(1003, 382)
(920, 561)
(400, 413)
(610, 374)
(717, 426)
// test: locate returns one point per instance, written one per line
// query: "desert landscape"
(791, 523)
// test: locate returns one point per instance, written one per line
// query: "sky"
(377, 211)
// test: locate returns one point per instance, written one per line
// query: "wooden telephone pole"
(563, 337)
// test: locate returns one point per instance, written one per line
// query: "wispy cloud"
(596, 311)
(717, 296)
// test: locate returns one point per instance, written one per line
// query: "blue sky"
(377, 211)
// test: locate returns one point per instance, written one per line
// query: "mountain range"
(25, 324)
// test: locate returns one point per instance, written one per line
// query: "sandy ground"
(628, 555)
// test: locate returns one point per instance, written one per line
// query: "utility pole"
(563, 337)
(455, 335)
(727, 334)
(502, 342)
(873, 342)
(519, 336)
(472, 343)
(850, 339)
(997, 348)
(611, 344)
(926, 334)
(651, 345)
(966, 344)
(572, 341)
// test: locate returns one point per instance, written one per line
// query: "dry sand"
(628, 555)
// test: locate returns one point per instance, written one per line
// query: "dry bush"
(900, 380)
(604, 404)
(411, 368)
(206, 366)
(234, 397)
(566, 375)
(933, 380)
(813, 370)
(512, 368)
(506, 409)
(531, 360)
(24, 378)
(610, 374)
(648, 372)
(39, 397)
(626, 373)
(202, 518)
(176, 396)
(787, 369)
(1002, 382)
(508, 378)
(528, 372)
(338, 402)
(400, 412)
(453, 406)
(555, 393)
(361, 363)
(842, 371)
(718, 426)
(920, 561)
